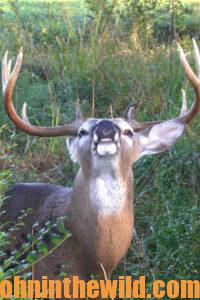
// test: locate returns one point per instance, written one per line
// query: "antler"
(194, 80)
(8, 84)
(185, 116)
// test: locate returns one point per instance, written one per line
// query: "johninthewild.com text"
(123, 287)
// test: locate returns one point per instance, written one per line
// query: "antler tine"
(184, 103)
(8, 84)
(188, 70)
(9, 66)
(196, 57)
(24, 115)
(7, 78)
(194, 80)
(131, 114)
(5, 71)
(6, 74)
(138, 126)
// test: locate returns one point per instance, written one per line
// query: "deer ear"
(72, 145)
(160, 137)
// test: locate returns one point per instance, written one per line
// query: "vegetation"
(119, 52)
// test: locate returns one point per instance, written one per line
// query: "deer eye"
(82, 133)
(128, 133)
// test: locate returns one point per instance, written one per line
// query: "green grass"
(67, 54)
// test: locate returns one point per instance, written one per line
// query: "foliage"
(118, 52)
(21, 258)
(161, 19)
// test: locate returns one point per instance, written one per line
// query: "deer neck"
(102, 215)
(104, 190)
(107, 194)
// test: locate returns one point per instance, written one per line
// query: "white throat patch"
(107, 194)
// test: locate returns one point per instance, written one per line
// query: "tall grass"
(69, 55)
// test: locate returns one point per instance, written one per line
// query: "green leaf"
(42, 248)
(55, 238)
(32, 257)
(31, 237)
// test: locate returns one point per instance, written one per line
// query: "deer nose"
(106, 131)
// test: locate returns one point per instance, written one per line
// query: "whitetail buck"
(99, 206)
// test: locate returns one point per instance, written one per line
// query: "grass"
(68, 54)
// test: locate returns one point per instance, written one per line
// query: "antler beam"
(185, 116)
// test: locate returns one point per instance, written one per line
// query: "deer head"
(93, 141)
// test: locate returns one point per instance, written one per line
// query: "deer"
(99, 206)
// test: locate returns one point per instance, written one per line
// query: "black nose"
(106, 130)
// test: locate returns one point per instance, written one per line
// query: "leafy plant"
(20, 257)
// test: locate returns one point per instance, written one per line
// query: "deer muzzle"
(106, 136)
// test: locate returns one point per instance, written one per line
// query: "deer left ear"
(72, 145)
(160, 137)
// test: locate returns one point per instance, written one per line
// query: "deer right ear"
(72, 146)
(160, 137)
